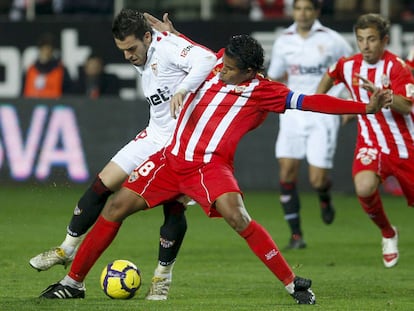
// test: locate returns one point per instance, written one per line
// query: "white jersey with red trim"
(305, 60)
(173, 63)
(391, 131)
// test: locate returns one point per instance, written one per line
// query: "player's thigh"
(124, 203)
(112, 176)
(208, 183)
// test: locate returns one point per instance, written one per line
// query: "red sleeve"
(402, 81)
(335, 72)
(332, 105)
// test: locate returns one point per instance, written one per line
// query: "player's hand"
(164, 25)
(366, 84)
(176, 104)
(379, 99)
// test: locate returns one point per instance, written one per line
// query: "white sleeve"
(277, 67)
(192, 58)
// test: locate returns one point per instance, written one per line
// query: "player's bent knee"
(238, 221)
(364, 190)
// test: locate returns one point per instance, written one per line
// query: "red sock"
(264, 247)
(95, 243)
(372, 205)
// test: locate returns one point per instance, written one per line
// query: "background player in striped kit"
(385, 142)
(199, 161)
(300, 57)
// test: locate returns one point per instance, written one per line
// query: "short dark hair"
(372, 20)
(130, 22)
(317, 4)
(46, 39)
(247, 52)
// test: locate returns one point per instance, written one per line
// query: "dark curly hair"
(372, 20)
(130, 22)
(247, 52)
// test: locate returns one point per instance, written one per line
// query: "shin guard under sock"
(89, 207)
(171, 232)
(261, 243)
(372, 205)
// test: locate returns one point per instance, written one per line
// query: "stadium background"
(69, 140)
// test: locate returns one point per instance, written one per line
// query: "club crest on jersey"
(239, 88)
(154, 68)
(133, 176)
(367, 155)
(409, 90)
(385, 81)
(355, 80)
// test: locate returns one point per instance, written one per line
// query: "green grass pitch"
(215, 269)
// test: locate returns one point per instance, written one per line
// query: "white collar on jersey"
(150, 51)
(315, 27)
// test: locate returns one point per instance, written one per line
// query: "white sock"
(164, 271)
(70, 244)
(68, 281)
(290, 288)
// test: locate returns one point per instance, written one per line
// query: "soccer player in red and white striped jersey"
(199, 160)
(385, 143)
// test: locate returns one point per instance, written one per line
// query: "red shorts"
(161, 179)
(371, 159)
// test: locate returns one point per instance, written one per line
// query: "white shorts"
(310, 134)
(138, 150)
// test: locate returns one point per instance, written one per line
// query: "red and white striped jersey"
(232, 109)
(390, 131)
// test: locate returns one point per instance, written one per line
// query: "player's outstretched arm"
(334, 105)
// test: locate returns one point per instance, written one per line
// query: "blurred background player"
(300, 56)
(47, 77)
(385, 140)
(167, 75)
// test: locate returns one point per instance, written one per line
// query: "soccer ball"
(120, 279)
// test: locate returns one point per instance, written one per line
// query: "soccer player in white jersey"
(170, 66)
(300, 57)
(199, 161)
(385, 142)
